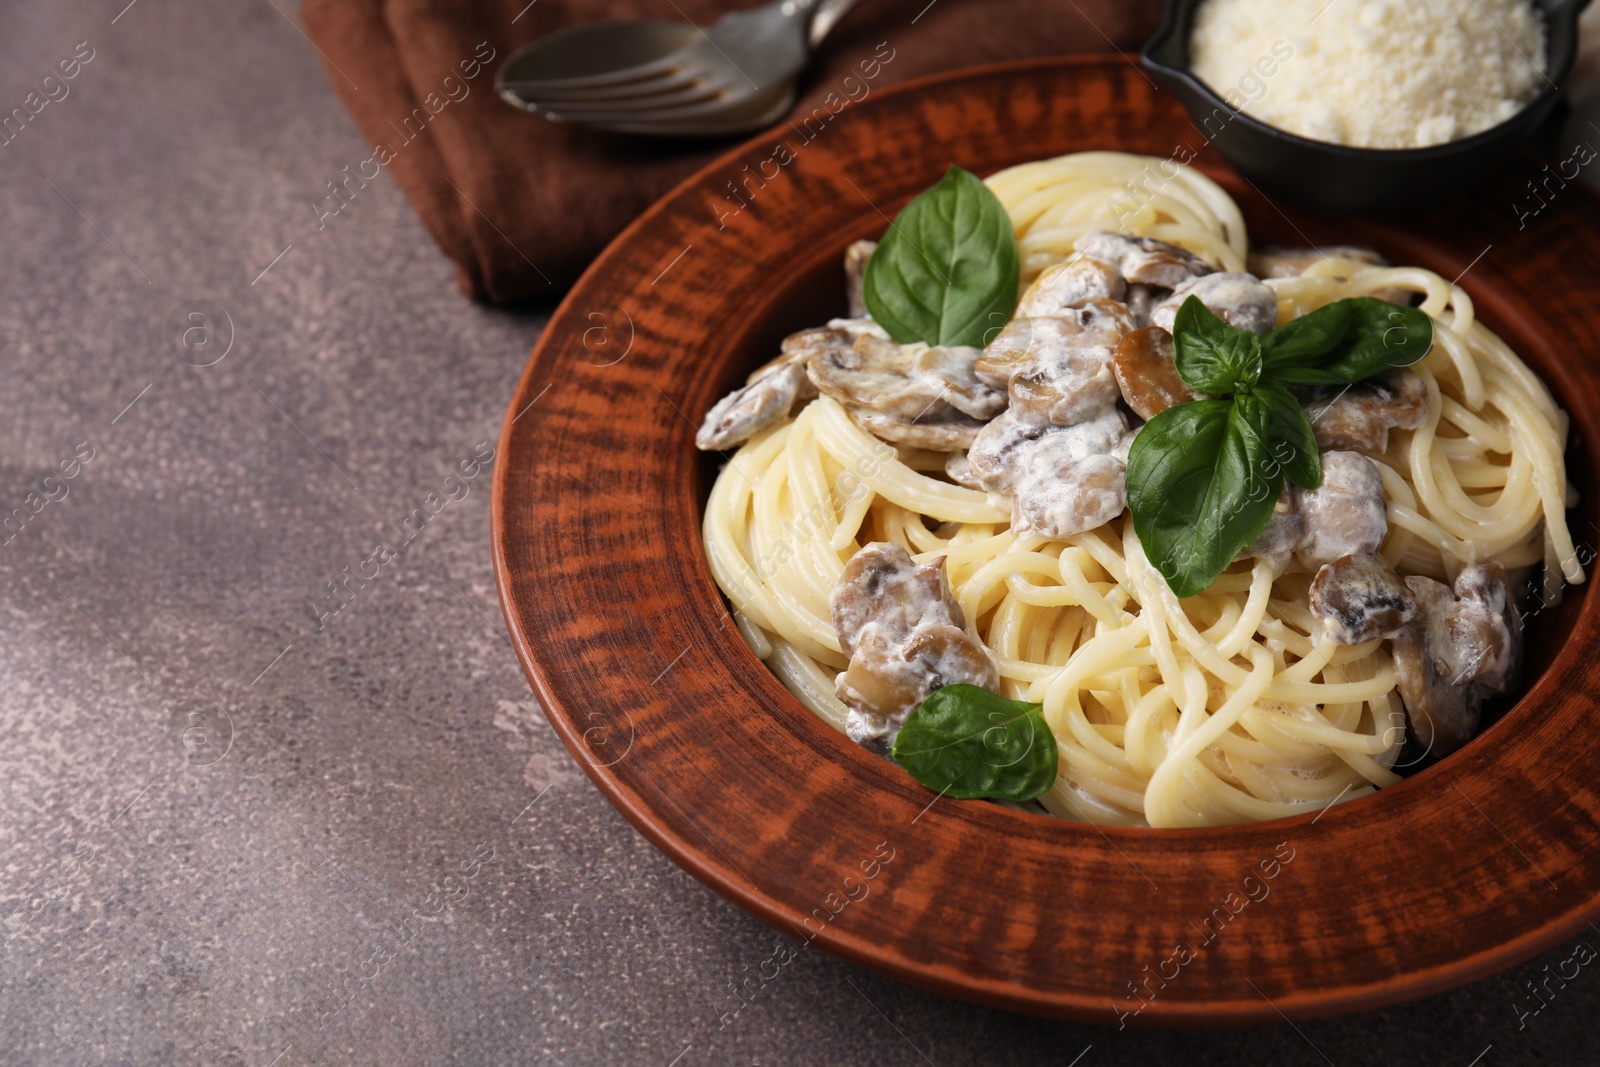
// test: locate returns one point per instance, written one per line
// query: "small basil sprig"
(967, 742)
(1203, 477)
(1344, 342)
(946, 272)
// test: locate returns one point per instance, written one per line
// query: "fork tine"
(710, 126)
(657, 68)
(567, 86)
(636, 116)
(631, 91)
(602, 114)
(699, 92)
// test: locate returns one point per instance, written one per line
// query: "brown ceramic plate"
(1474, 864)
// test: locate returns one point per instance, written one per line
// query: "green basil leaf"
(1303, 342)
(1384, 335)
(1203, 477)
(1201, 486)
(1290, 437)
(967, 742)
(1212, 356)
(946, 272)
(1377, 335)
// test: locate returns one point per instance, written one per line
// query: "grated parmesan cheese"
(1372, 73)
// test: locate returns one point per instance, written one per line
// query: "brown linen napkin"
(522, 205)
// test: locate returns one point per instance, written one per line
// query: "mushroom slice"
(1140, 300)
(1487, 625)
(905, 635)
(1069, 284)
(838, 333)
(1443, 715)
(1278, 539)
(1002, 455)
(1345, 515)
(772, 391)
(1146, 366)
(1057, 368)
(1359, 599)
(1069, 386)
(959, 470)
(1358, 418)
(940, 429)
(1064, 480)
(1027, 341)
(764, 401)
(1143, 259)
(855, 275)
(1461, 648)
(994, 455)
(881, 586)
(1238, 299)
(1062, 500)
(904, 382)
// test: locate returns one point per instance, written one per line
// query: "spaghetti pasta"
(1227, 706)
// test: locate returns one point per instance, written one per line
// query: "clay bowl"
(1470, 865)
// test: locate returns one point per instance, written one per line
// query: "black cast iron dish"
(1385, 182)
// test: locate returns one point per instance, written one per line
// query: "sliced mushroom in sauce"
(1281, 536)
(855, 275)
(1063, 480)
(1358, 418)
(959, 470)
(1143, 260)
(1344, 516)
(994, 457)
(1018, 348)
(1462, 647)
(1145, 364)
(1238, 299)
(905, 635)
(1070, 284)
(1359, 599)
(837, 333)
(770, 394)
(1057, 368)
(764, 401)
(940, 429)
(1066, 387)
(1491, 627)
(904, 382)
(1140, 300)
(1074, 497)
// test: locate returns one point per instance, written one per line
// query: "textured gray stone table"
(240, 826)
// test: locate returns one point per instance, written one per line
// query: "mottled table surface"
(247, 820)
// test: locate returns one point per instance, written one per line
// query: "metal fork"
(671, 78)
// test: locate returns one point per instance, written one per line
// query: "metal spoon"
(671, 79)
